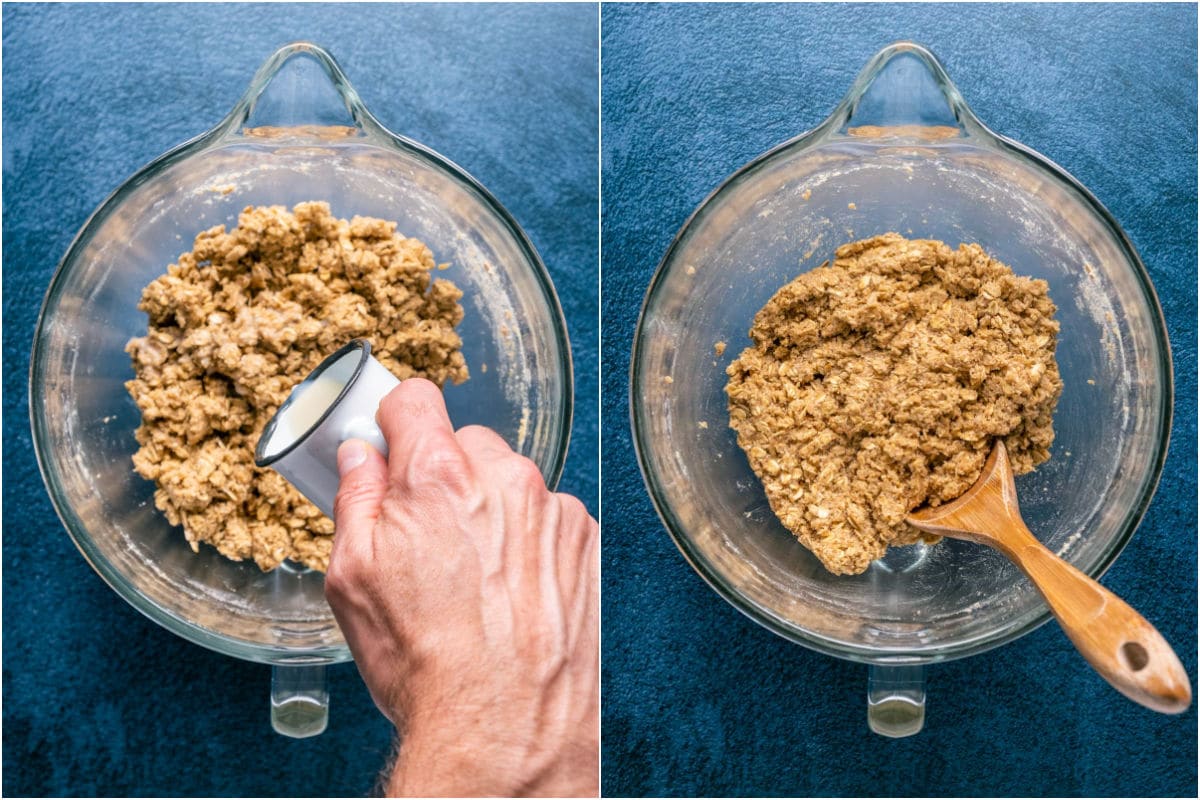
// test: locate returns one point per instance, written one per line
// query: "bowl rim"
(222, 134)
(849, 651)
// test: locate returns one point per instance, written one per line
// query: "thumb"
(364, 478)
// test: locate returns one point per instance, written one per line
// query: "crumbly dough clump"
(878, 383)
(234, 325)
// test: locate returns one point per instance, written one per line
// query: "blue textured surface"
(697, 698)
(97, 699)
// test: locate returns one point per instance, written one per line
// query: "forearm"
(422, 769)
(451, 767)
(427, 768)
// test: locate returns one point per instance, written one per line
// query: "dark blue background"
(697, 698)
(97, 699)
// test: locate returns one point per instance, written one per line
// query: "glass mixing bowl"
(299, 133)
(902, 152)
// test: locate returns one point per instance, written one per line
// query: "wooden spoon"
(1116, 640)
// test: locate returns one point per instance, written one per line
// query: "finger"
(476, 440)
(364, 479)
(532, 517)
(422, 449)
(413, 407)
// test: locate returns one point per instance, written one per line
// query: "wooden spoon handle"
(1116, 640)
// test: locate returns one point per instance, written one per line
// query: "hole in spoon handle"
(1114, 638)
(1134, 656)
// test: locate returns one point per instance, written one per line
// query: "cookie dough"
(234, 325)
(878, 383)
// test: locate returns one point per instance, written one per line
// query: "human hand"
(468, 594)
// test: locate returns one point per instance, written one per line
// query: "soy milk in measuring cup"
(336, 402)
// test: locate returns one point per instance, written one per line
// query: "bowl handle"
(896, 699)
(903, 95)
(300, 92)
(299, 700)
